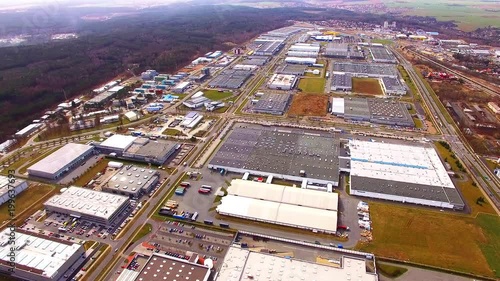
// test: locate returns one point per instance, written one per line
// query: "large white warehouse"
(278, 204)
(9, 189)
(61, 161)
(403, 173)
(96, 206)
(242, 264)
(38, 257)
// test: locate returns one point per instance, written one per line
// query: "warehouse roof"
(242, 264)
(272, 103)
(282, 80)
(121, 142)
(396, 162)
(78, 201)
(132, 179)
(39, 254)
(6, 184)
(281, 151)
(160, 267)
(284, 194)
(278, 213)
(61, 158)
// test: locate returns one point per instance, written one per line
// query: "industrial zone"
(261, 163)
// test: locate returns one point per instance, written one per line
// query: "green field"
(172, 132)
(25, 200)
(435, 238)
(145, 230)
(468, 14)
(90, 174)
(216, 95)
(312, 85)
(382, 41)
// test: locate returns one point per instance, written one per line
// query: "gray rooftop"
(342, 81)
(292, 69)
(427, 192)
(272, 103)
(230, 79)
(382, 54)
(378, 70)
(281, 151)
(357, 107)
(148, 148)
(131, 179)
(60, 158)
(255, 60)
(393, 84)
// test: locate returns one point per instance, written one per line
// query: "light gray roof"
(61, 157)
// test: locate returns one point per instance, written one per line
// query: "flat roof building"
(151, 151)
(403, 173)
(392, 86)
(268, 47)
(280, 151)
(28, 130)
(282, 82)
(256, 60)
(283, 205)
(230, 79)
(9, 188)
(161, 267)
(61, 161)
(181, 87)
(381, 54)
(366, 69)
(378, 111)
(341, 82)
(299, 60)
(271, 103)
(95, 206)
(241, 264)
(132, 181)
(37, 257)
(292, 69)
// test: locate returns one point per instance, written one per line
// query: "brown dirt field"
(309, 105)
(368, 86)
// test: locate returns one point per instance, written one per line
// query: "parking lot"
(56, 223)
(192, 201)
(181, 241)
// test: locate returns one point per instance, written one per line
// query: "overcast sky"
(103, 3)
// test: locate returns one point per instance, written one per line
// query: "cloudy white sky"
(104, 3)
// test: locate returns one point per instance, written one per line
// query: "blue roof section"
(390, 163)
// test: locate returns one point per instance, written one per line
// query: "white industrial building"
(9, 189)
(248, 67)
(117, 143)
(403, 173)
(95, 206)
(302, 54)
(37, 257)
(191, 119)
(131, 181)
(277, 204)
(303, 47)
(181, 87)
(28, 130)
(241, 264)
(282, 82)
(300, 60)
(61, 161)
(4, 146)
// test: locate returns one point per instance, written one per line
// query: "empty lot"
(308, 105)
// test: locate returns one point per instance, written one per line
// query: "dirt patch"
(368, 86)
(308, 105)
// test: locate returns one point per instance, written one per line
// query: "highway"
(474, 165)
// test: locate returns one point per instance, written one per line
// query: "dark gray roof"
(427, 192)
(272, 103)
(269, 150)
